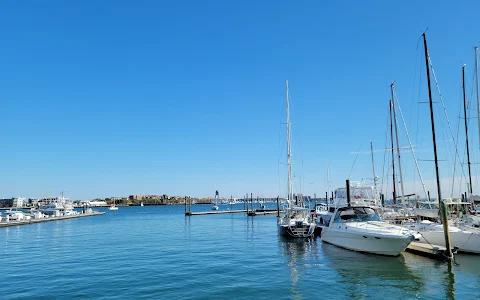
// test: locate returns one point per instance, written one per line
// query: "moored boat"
(361, 229)
(296, 221)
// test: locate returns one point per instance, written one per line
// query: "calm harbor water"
(157, 253)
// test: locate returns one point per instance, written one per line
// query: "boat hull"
(466, 241)
(301, 231)
(390, 245)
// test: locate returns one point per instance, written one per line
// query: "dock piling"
(348, 192)
(278, 207)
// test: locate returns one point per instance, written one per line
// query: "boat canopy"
(355, 214)
(359, 195)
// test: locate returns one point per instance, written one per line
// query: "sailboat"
(113, 207)
(465, 239)
(215, 206)
(296, 221)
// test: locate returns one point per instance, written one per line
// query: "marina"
(132, 130)
(242, 253)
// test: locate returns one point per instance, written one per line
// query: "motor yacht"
(361, 229)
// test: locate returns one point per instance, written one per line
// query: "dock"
(41, 220)
(428, 250)
(215, 212)
(263, 212)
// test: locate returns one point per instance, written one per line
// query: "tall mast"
(373, 166)
(476, 84)
(393, 156)
(328, 185)
(466, 129)
(392, 88)
(439, 190)
(289, 150)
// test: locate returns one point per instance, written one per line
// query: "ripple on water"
(156, 252)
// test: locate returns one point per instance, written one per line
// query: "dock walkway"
(214, 212)
(433, 251)
(34, 221)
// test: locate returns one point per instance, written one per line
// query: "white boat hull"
(390, 245)
(466, 241)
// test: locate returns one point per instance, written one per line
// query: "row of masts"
(394, 129)
(394, 132)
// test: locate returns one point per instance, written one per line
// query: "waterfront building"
(6, 202)
(19, 202)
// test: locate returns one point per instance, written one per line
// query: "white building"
(19, 202)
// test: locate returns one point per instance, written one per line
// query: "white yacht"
(16, 215)
(362, 195)
(60, 206)
(361, 229)
(466, 239)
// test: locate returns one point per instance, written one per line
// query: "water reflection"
(299, 254)
(449, 281)
(468, 263)
(366, 274)
(187, 227)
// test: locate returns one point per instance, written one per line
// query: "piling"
(278, 207)
(251, 200)
(382, 198)
(348, 192)
(446, 232)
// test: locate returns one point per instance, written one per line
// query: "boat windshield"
(356, 214)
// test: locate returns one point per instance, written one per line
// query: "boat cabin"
(355, 214)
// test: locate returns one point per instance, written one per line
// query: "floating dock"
(433, 251)
(263, 212)
(41, 220)
(214, 212)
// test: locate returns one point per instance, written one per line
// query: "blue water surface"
(155, 252)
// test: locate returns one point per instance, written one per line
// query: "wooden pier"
(41, 220)
(263, 212)
(214, 212)
(428, 250)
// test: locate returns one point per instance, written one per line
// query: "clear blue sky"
(104, 98)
